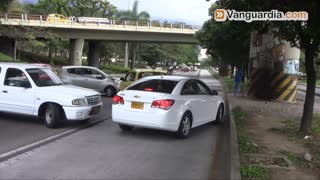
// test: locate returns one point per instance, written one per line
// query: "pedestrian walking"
(237, 82)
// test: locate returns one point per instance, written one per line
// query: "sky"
(193, 12)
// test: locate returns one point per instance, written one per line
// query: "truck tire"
(53, 115)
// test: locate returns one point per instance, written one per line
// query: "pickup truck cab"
(34, 90)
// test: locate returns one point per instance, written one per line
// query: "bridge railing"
(72, 20)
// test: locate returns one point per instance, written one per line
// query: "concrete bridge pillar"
(273, 67)
(94, 52)
(126, 58)
(75, 52)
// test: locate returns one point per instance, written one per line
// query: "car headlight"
(78, 102)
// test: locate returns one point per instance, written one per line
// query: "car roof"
(149, 70)
(67, 67)
(20, 65)
(167, 77)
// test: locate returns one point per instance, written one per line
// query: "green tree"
(97, 8)
(229, 40)
(134, 15)
(50, 7)
(4, 5)
(152, 53)
(304, 35)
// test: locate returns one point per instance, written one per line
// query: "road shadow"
(33, 120)
(154, 134)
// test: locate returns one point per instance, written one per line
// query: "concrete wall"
(273, 67)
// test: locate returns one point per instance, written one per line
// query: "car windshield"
(155, 85)
(43, 77)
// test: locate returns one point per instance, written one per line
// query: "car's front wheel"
(110, 91)
(220, 113)
(185, 126)
(53, 115)
(125, 127)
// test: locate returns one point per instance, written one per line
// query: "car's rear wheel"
(185, 126)
(110, 91)
(220, 113)
(53, 115)
(125, 127)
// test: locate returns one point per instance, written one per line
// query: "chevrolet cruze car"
(171, 103)
(90, 77)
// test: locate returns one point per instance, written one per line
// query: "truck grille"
(93, 100)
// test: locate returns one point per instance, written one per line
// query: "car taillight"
(162, 104)
(117, 100)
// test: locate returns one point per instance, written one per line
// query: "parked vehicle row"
(151, 99)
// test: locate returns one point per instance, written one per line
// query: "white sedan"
(172, 103)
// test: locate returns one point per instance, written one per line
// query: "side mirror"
(26, 84)
(122, 79)
(99, 77)
(214, 93)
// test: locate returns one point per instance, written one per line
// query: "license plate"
(95, 110)
(137, 105)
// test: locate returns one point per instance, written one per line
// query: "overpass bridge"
(125, 31)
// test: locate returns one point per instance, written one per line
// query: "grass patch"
(37, 58)
(304, 81)
(296, 160)
(293, 126)
(5, 58)
(114, 69)
(246, 146)
(313, 143)
(316, 125)
(254, 172)
(228, 82)
(239, 116)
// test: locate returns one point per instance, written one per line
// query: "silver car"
(90, 77)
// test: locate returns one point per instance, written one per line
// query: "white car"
(171, 103)
(34, 90)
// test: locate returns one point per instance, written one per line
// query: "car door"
(129, 78)
(17, 93)
(190, 95)
(93, 78)
(209, 104)
(74, 76)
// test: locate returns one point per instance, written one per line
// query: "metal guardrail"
(43, 18)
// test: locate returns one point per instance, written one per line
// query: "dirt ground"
(265, 119)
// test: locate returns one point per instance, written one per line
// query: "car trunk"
(141, 100)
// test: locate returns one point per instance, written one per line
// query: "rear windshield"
(155, 85)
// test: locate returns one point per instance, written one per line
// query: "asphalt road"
(19, 130)
(105, 152)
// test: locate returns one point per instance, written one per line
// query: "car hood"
(68, 90)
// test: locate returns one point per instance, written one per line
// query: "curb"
(29, 147)
(234, 148)
(233, 134)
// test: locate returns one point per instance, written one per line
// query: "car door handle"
(5, 91)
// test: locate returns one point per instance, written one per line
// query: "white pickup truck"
(35, 90)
